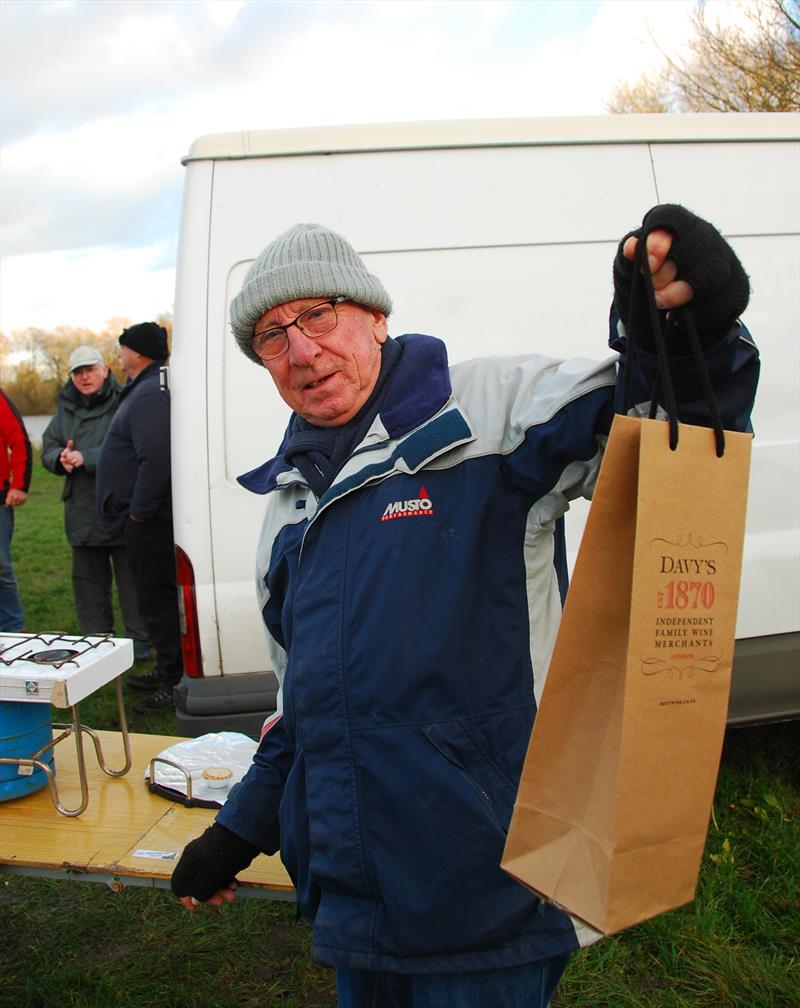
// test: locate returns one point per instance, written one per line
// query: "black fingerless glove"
(704, 259)
(211, 862)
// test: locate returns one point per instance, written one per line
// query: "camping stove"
(62, 670)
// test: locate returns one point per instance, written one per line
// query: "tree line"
(751, 65)
(34, 363)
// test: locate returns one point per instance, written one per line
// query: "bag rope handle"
(659, 331)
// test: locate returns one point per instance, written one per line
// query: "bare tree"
(651, 93)
(42, 359)
(729, 68)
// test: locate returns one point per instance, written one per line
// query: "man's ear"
(380, 325)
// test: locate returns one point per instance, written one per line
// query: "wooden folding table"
(126, 835)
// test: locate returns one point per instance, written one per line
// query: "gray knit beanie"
(306, 261)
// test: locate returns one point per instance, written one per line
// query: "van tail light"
(187, 613)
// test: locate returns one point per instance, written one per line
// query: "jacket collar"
(151, 369)
(420, 389)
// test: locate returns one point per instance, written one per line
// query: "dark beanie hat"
(147, 338)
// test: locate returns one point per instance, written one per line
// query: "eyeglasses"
(316, 321)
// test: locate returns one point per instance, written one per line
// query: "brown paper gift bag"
(613, 805)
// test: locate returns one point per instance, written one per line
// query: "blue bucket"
(24, 729)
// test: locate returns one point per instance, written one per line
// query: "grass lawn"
(80, 945)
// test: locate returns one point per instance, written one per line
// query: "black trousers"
(91, 586)
(151, 555)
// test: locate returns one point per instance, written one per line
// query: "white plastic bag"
(212, 752)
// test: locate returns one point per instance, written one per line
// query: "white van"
(461, 220)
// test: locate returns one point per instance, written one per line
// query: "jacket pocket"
(108, 507)
(436, 800)
(459, 743)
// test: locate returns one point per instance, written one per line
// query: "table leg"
(78, 730)
(126, 742)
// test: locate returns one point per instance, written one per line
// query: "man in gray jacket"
(70, 448)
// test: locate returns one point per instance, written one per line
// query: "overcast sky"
(100, 101)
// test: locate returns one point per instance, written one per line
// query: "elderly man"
(70, 448)
(134, 500)
(410, 574)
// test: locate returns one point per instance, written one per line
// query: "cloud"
(78, 61)
(94, 128)
(86, 288)
(112, 181)
(101, 99)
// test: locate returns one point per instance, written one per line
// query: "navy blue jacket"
(411, 612)
(133, 470)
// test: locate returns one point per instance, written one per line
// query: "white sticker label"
(159, 855)
(25, 770)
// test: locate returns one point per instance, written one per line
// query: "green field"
(80, 945)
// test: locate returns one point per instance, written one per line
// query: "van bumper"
(237, 703)
(766, 680)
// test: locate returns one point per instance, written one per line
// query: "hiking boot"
(159, 701)
(150, 681)
(141, 652)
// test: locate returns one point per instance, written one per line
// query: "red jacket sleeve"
(15, 449)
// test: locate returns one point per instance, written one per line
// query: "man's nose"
(302, 349)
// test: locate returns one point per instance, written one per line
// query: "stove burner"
(54, 655)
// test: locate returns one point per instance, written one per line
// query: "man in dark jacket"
(410, 575)
(70, 448)
(134, 500)
(15, 478)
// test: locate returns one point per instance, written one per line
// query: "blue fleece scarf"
(320, 452)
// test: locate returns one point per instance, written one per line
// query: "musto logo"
(413, 508)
